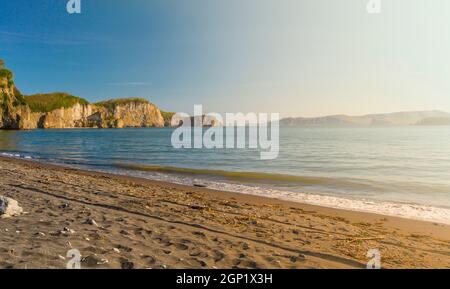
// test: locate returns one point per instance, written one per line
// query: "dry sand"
(147, 224)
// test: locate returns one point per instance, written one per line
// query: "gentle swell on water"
(245, 176)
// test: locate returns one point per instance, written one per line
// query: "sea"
(395, 171)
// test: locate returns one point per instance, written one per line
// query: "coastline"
(236, 230)
(416, 191)
(196, 178)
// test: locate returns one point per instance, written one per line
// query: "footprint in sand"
(150, 260)
(182, 247)
(124, 248)
(218, 255)
(198, 253)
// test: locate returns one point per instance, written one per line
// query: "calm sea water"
(396, 171)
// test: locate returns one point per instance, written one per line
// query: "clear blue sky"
(296, 57)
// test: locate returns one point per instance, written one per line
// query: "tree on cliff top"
(5, 73)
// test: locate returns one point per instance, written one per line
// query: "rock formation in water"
(61, 110)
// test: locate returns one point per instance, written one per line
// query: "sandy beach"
(124, 222)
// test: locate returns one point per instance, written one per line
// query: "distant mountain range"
(433, 117)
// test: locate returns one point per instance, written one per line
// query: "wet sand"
(125, 222)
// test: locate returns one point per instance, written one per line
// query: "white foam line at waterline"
(407, 211)
(16, 156)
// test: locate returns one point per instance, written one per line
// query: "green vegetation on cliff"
(167, 117)
(4, 101)
(19, 100)
(51, 101)
(7, 84)
(6, 73)
(112, 103)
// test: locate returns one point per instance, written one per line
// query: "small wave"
(403, 210)
(249, 176)
(16, 155)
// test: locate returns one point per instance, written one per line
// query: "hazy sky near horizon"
(296, 57)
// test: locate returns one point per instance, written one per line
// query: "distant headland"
(433, 117)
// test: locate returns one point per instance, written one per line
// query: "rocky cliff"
(128, 112)
(11, 102)
(121, 113)
(62, 110)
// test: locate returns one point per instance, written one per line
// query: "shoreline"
(414, 211)
(326, 237)
(315, 200)
(348, 213)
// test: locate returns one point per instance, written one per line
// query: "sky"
(294, 57)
